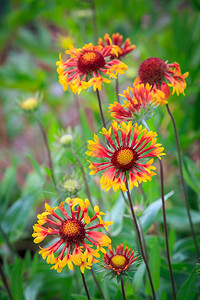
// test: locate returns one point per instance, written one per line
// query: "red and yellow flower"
(75, 239)
(162, 75)
(129, 155)
(89, 66)
(117, 40)
(120, 261)
(140, 102)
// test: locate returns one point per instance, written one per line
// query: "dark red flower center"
(118, 261)
(152, 71)
(90, 61)
(72, 231)
(124, 158)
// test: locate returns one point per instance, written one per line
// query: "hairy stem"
(50, 162)
(85, 286)
(165, 229)
(165, 222)
(100, 108)
(94, 21)
(117, 89)
(140, 241)
(97, 284)
(182, 181)
(123, 290)
(84, 178)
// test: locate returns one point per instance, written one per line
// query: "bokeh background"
(32, 34)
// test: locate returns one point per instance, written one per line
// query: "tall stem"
(94, 21)
(3, 277)
(97, 284)
(182, 181)
(100, 108)
(117, 89)
(85, 286)
(84, 178)
(50, 162)
(143, 240)
(165, 222)
(165, 229)
(140, 241)
(123, 290)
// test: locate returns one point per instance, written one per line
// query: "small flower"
(87, 67)
(30, 104)
(140, 103)
(117, 40)
(71, 186)
(66, 139)
(129, 155)
(74, 235)
(119, 263)
(156, 71)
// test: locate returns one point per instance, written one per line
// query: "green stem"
(140, 241)
(182, 181)
(94, 21)
(84, 178)
(50, 162)
(3, 277)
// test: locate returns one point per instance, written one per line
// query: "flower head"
(30, 104)
(129, 155)
(88, 66)
(156, 71)
(120, 262)
(117, 40)
(139, 103)
(75, 237)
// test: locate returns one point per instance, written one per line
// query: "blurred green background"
(32, 34)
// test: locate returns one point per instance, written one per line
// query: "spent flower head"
(128, 155)
(71, 186)
(162, 75)
(88, 66)
(117, 40)
(76, 236)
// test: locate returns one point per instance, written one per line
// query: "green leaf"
(16, 286)
(177, 217)
(117, 215)
(36, 166)
(32, 290)
(151, 211)
(188, 289)
(191, 174)
(7, 184)
(16, 217)
(154, 265)
(138, 280)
